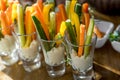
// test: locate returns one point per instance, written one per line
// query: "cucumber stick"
(41, 32)
(89, 37)
(52, 28)
(21, 31)
(71, 33)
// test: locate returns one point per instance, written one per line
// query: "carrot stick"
(8, 14)
(40, 3)
(81, 40)
(3, 5)
(4, 24)
(58, 21)
(87, 20)
(38, 13)
(62, 11)
(97, 31)
(85, 7)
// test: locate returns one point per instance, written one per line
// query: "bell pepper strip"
(77, 25)
(62, 28)
(46, 11)
(14, 12)
(38, 13)
(61, 8)
(72, 6)
(4, 24)
(81, 40)
(28, 25)
(21, 30)
(58, 21)
(89, 37)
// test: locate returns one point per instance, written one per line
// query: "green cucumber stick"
(89, 37)
(78, 9)
(71, 33)
(40, 32)
(52, 27)
(21, 31)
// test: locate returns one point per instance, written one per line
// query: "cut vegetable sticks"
(38, 13)
(81, 40)
(62, 11)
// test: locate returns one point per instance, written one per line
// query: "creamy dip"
(55, 56)
(31, 52)
(7, 44)
(80, 63)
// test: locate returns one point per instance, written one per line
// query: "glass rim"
(24, 34)
(54, 40)
(69, 42)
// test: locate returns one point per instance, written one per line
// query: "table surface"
(106, 62)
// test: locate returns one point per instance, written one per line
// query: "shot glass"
(54, 51)
(8, 50)
(82, 66)
(29, 51)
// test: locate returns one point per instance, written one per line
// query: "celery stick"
(21, 31)
(89, 37)
(67, 7)
(52, 28)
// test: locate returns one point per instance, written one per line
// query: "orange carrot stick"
(3, 4)
(4, 24)
(58, 21)
(97, 31)
(87, 20)
(40, 3)
(81, 40)
(62, 11)
(85, 7)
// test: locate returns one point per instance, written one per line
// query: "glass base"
(56, 70)
(10, 59)
(87, 75)
(30, 66)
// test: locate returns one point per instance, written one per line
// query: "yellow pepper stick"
(28, 25)
(14, 12)
(81, 40)
(46, 10)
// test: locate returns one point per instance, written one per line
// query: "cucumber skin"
(71, 33)
(21, 24)
(89, 37)
(41, 32)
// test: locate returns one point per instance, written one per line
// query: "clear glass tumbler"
(29, 51)
(54, 54)
(8, 50)
(82, 66)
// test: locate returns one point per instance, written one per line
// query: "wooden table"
(106, 62)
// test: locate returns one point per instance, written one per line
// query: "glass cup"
(54, 51)
(8, 50)
(29, 51)
(82, 66)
